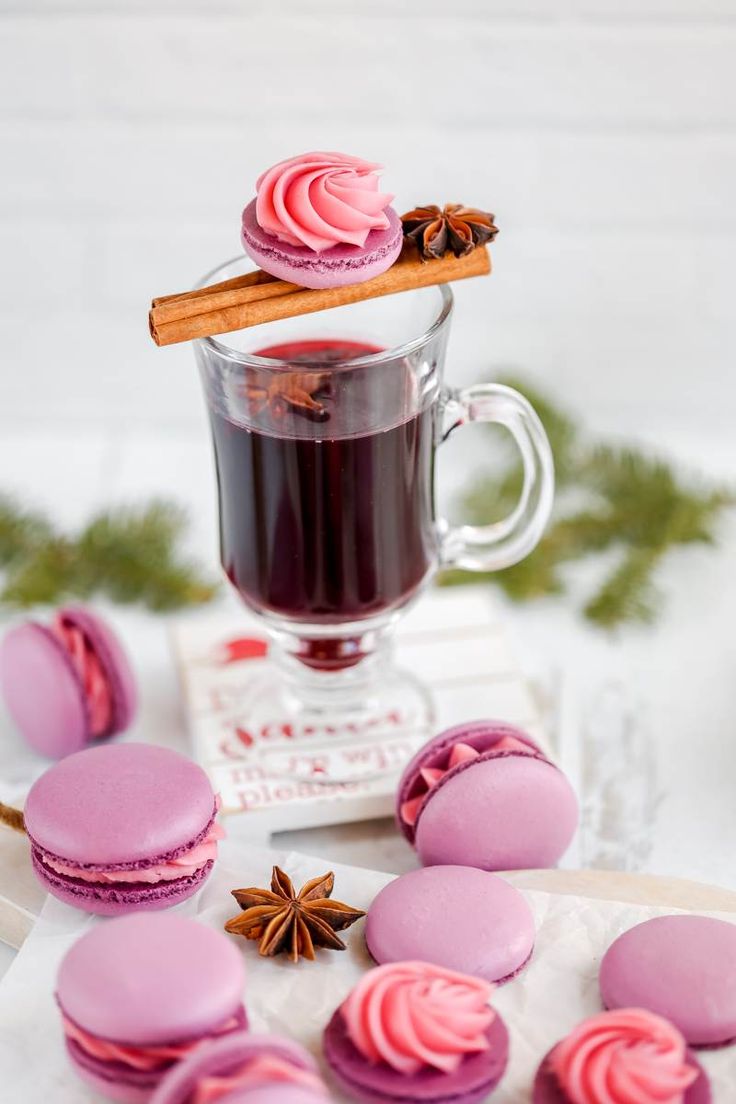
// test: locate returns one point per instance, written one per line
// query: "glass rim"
(392, 353)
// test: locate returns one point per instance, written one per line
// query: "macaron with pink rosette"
(244, 1069)
(320, 220)
(484, 794)
(629, 1056)
(68, 683)
(412, 1031)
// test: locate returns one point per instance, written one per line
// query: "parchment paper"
(557, 989)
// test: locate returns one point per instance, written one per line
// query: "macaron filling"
(319, 200)
(440, 762)
(625, 1057)
(140, 1058)
(411, 1015)
(186, 863)
(93, 679)
(257, 1072)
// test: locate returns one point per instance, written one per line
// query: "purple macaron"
(681, 967)
(123, 827)
(245, 1069)
(454, 916)
(137, 995)
(415, 1033)
(320, 220)
(483, 794)
(67, 683)
(342, 264)
(642, 1055)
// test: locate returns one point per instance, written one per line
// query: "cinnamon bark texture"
(257, 298)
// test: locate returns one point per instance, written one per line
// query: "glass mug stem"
(492, 547)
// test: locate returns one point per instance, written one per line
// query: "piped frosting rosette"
(625, 1057)
(412, 1015)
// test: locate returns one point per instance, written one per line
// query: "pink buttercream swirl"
(183, 866)
(143, 1058)
(629, 1056)
(320, 200)
(93, 679)
(265, 1069)
(413, 1015)
(461, 753)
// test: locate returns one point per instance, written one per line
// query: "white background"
(602, 133)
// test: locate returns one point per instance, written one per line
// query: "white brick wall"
(602, 132)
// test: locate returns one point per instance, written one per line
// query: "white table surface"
(643, 721)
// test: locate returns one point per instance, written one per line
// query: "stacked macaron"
(483, 794)
(411, 1031)
(320, 220)
(123, 827)
(244, 1069)
(67, 683)
(137, 994)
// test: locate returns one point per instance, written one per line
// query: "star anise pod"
(299, 392)
(292, 923)
(455, 227)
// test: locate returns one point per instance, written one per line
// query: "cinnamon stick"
(12, 818)
(257, 298)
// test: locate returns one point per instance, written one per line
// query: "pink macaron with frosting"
(123, 827)
(321, 220)
(413, 1031)
(68, 683)
(138, 994)
(242, 1068)
(629, 1056)
(484, 794)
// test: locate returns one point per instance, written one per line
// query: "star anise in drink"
(296, 392)
(454, 227)
(292, 923)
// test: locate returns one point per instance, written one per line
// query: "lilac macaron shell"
(42, 688)
(458, 917)
(680, 967)
(41, 691)
(478, 734)
(547, 1089)
(343, 264)
(474, 1079)
(119, 807)
(503, 810)
(222, 1056)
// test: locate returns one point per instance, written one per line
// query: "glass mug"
(325, 430)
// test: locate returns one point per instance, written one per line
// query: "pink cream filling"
(413, 1015)
(267, 1069)
(181, 867)
(143, 1058)
(91, 675)
(460, 753)
(628, 1056)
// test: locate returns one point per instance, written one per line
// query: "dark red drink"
(321, 520)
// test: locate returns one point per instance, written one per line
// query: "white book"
(282, 778)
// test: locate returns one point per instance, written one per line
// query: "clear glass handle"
(493, 547)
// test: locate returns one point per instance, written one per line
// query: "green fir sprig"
(129, 554)
(610, 499)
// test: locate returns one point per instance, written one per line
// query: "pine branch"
(129, 553)
(608, 497)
